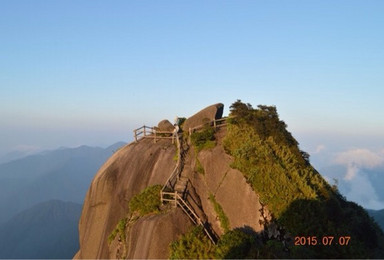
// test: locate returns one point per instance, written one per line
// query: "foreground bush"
(148, 201)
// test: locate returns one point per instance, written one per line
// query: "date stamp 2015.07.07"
(324, 240)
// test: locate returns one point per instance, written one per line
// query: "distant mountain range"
(47, 230)
(63, 174)
(35, 222)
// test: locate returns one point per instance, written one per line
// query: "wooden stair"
(175, 189)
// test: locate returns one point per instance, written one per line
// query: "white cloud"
(360, 157)
(357, 159)
(352, 170)
(320, 148)
(362, 192)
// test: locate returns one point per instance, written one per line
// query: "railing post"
(134, 133)
(176, 199)
(144, 131)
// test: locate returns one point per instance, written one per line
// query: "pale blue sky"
(88, 72)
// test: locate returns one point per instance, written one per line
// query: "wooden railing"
(217, 123)
(177, 200)
(193, 216)
(172, 179)
(152, 132)
(169, 185)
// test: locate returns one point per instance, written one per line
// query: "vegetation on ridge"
(270, 159)
(300, 200)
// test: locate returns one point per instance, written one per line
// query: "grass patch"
(176, 157)
(198, 167)
(146, 202)
(224, 221)
(204, 139)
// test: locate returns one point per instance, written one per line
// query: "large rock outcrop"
(209, 187)
(145, 163)
(125, 174)
(203, 116)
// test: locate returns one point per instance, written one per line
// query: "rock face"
(239, 202)
(125, 174)
(165, 125)
(203, 116)
(141, 164)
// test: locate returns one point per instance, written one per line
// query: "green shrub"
(224, 221)
(148, 201)
(119, 230)
(192, 245)
(204, 139)
(234, 244)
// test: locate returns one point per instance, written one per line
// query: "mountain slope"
(47, 230)
(62, 174)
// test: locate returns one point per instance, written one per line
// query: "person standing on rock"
(177, 128)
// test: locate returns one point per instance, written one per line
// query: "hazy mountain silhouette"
(14, 155)
(378, 215)
(47, 230)
(63, 174)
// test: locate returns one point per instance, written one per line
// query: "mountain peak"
(229, 187)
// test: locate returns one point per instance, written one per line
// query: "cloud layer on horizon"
(357, 159)
(354, 170)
